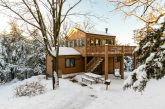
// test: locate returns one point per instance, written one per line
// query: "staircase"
(94, 63)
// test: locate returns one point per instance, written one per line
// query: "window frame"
(71, 61)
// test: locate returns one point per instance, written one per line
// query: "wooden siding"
(79, 65)
(75, 34)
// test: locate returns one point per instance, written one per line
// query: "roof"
(96, 32)
(66, 51)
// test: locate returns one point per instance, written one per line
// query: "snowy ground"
(74, 96)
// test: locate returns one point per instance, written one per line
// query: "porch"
(106, 55)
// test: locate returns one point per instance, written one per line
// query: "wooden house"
(93, 52)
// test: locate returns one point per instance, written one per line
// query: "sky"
(115, 22)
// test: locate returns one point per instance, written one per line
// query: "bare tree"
(15, 31)
(148, 11)
(46, 16)
(86, 25)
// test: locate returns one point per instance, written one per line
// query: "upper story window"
(97, 42)
(69, 62)
(78, 42)
(72, 43)
(92, 42)
(75, 43)
(109, 41)
(69, 43)
(103, 42)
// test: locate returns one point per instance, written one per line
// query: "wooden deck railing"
(112, 49)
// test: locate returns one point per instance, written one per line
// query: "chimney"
(106, 30)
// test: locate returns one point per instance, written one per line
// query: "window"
(75, 43)
(97, 42)
(103, 42)
(72, 43)
(92, 42)
(69, 43)
(109, 42)
(81, 42)
(69, 62)
(78, 42)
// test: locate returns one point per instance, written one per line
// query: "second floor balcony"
(100, 50)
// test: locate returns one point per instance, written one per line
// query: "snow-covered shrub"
(128, 63)
(20, 58)
(151, 60)
(30, 89)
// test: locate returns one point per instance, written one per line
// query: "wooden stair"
(93, 64)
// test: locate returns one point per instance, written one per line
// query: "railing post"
(122, 67)
(106, 61)
(85, 63)
(122, 49)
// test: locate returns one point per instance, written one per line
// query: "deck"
(100, 50)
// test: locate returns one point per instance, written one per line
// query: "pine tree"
(20, 58)
(151, 60)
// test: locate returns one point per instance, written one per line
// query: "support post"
(106, 61)
(85, 63)
(122, 67)
(113, 65)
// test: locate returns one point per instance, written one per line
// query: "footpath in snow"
(74, 96)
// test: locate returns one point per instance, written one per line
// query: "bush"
(30, 89)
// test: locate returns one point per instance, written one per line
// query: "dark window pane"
(69, 62)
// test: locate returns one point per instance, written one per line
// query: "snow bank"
(73, 96)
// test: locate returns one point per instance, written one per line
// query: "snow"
(136, 49)
(150, 57)
(66, 51)
(146, 45)
(163, 46)
(140, 75)
(95, 31)
(74, 96)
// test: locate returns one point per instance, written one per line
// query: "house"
(90, 52)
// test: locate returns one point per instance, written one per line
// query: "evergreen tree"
(151, 60)
(20, 58)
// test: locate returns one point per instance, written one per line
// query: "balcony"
(100, 50)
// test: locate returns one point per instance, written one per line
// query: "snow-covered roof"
(66, 51)
(96, 32)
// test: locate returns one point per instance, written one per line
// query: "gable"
(75, 33)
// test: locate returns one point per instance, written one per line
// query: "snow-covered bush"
(151, 60)
(30, 89)
(20, 58)
(128, 63)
